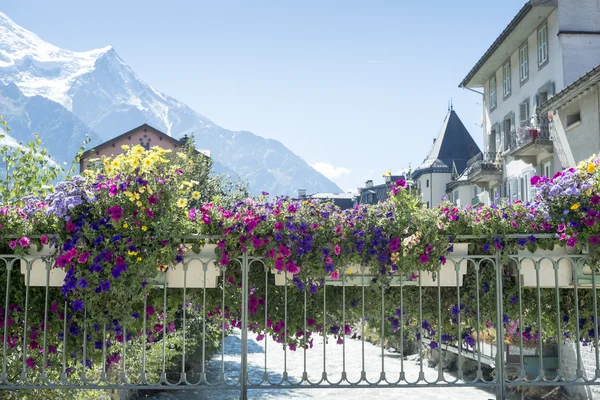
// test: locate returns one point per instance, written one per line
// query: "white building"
(546, 47)
(448, 158)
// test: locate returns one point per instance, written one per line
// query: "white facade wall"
(433, 187)
(548, 77)
(583, 138)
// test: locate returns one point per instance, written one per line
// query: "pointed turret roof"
(453, 147)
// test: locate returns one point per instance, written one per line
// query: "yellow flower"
(149, 190)
(181, 203)
(142, 189)
(349, 271)
(588, 192)
(575, 206)
(137, 149)
(139, 258)
(195, 195)
(139, 203)
(116, 163)
(147, 163)
(132, 253)
(144, 228)
(591, 168)
(110, 169)
(125, 147)
(125, 225)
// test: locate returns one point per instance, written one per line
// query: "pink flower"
(337, 250)
(335, 274)
(24, 241)
(54, 307)
(12, 244)
(83, 257)
(152, 199)
(44, 239)
(278, 226)
(561, 227)
(424, 258)
(292, 268)
(70, 226)
(30, 362)
(279, 264)
(171, 327)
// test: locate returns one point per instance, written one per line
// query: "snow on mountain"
(98, 89)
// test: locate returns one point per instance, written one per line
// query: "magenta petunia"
(337, 250)
(424, 258)
(70, 226)
(24, 241)
(44, 239)
(594, 239)
(595, 200)
(278, 226)
(12, 244)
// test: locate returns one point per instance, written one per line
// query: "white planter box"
(195, 269)
(37, 275)
(447, 273)
(281, 277)
(547, 277)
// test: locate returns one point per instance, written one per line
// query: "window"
(506, 79)
(493, 93)
(573, 119)
(492, 141)
(507, 133)
(542, 37)
(524, 111)
(427, 183)
(524, 63)
(455, 198)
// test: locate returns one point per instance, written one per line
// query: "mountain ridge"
(105, 94)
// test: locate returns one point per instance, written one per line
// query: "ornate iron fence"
(461, 309)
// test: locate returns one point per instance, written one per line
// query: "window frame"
(524, 63)
(506, 81)
(542, 43)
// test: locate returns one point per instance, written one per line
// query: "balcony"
(484, 168)
(531, 140)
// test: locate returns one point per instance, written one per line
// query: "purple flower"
(78, 305)
(424, 258)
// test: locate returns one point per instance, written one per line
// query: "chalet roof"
(453, 146)
(499, 40)
(144, 127)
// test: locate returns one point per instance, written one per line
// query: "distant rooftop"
(453, 146)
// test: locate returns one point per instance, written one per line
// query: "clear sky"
(356, 88)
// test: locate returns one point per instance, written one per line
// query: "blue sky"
(354, 87)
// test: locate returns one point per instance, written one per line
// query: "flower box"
(354, 276)
(547, 277)
(281, 277)
(37, 275)
(175, 276)
(447, 273)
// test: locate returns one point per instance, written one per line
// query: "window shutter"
(550, 89)
(522, 112)
(512, 121)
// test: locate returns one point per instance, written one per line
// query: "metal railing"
(534, 130)
(484, 162)
(483, 277)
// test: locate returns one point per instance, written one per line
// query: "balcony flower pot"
(175, 276)
(37, 276)
(447, 273)
(546, 260)
(281, 277)
(354, 276)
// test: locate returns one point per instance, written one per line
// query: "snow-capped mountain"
(97, 90)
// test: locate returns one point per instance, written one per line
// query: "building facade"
(545, 48)
(144, 135)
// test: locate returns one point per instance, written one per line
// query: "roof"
(580, 85)
(333, 195)
(146, 127)
(454, 145)
(511, 26)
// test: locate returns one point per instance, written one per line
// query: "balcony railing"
(484, 162)
(532, 131)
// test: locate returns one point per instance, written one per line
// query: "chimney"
(301, 193)
(434, 139)
(369, 183)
